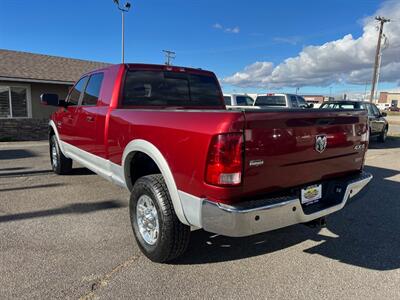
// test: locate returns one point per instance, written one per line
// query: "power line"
(169, 56)
(378, 54)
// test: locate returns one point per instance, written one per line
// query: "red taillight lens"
(224, 160)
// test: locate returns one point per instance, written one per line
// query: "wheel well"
(141, 165)
(51, 132)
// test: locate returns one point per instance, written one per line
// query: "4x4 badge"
(320, 143)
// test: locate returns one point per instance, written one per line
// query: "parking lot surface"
(70, 237)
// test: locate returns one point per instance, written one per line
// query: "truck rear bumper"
(268, 214)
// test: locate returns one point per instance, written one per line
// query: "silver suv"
(281, 100)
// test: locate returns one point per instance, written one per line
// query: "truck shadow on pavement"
(76, 208)
(365, 233)
(16, 154)
(392, 142)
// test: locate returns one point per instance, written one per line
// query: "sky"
(321, 47)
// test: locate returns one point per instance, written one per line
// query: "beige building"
(23, 78)
(316, 98)
(393, 99)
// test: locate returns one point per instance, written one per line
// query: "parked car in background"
(394, 108)
(315, 103)
(281, 101)
(238, 100)
(383, 106)
(378, 125)
(164, 134)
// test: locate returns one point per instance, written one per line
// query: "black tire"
(60, 164)
(173, 236)
(382, 137)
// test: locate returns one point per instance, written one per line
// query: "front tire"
(158, 231)
(382, 137)
(60, 164)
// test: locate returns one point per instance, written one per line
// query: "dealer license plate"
(311, 194)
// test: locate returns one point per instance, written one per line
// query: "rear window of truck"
(165, 88)
(271, 101)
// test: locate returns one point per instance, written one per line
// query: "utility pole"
(381, 21)
(169, 56)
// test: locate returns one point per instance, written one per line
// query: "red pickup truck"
(164, 133)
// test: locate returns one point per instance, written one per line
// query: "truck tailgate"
(281, 147)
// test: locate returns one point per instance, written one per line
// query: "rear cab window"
(170, 88)
(343, 105)
(271, 100)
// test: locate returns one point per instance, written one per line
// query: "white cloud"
(346, 60)
(235, 29)
(292, 40)
(217, 26)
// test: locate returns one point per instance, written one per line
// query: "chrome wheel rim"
(147, 219)
(54, 160)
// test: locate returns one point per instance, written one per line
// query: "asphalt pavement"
(70, 237)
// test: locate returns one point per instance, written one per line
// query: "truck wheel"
(158, 231)
(382, 137)
(61, 165)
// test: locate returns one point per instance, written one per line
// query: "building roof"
(31, 67)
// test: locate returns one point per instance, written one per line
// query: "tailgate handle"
(325, 121)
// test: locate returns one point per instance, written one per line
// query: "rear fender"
(152, 151)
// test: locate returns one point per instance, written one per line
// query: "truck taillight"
(225, 159)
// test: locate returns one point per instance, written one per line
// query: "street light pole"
(123, 38)
(123, 10)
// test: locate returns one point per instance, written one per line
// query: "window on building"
(92, 90)
(14, 102)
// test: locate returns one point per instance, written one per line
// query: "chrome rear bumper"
(269, 214)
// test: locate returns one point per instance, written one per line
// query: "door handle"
(90, 119)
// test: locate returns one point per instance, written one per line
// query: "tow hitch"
(317, 223)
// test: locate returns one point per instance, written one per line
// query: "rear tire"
(382, 137)
(60, 164)
(158, 231)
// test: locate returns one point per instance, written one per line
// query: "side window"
(302, 102)
(76, 91)
(293, 100)
(249, 101)
(241, 100)
(227, 100)
(92, 90)
(370, 110)
(375, 110)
